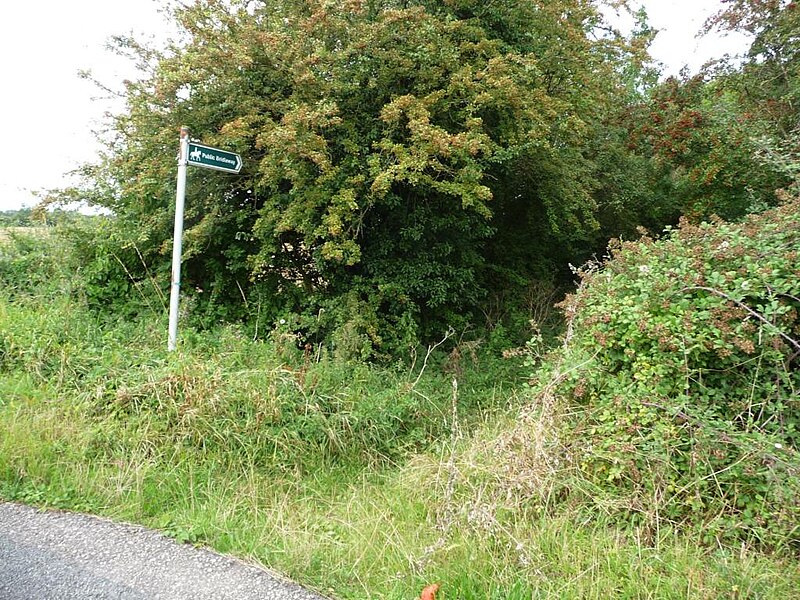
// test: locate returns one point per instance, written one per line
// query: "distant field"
(6, 232)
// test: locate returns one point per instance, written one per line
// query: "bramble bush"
(687, 408)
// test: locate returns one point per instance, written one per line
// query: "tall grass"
(356, 480)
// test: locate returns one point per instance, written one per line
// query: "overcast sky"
(49, 113)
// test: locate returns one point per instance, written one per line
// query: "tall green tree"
(722, 141)
(767, 83)
(403, 159)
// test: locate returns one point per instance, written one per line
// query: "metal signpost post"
(177, 241)
(206, 157)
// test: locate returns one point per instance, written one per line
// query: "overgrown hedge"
(688, 403)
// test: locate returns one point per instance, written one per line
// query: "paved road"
(64, 556)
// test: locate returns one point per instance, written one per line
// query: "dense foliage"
(405, 163)
(358, 480)
(689, 386)
(730, 135)
(277, 405)
(414, 166)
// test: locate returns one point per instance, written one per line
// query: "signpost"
(197, 155)
(213, 158)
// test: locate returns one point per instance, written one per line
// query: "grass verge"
(355, 480)
(344, 477)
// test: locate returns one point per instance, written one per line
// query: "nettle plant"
(690, 398)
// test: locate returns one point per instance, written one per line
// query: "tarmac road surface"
(67, 556)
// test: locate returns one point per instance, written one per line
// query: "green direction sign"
(213, 158)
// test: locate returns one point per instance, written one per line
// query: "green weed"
(359, 481)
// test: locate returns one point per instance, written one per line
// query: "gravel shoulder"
(50, 555)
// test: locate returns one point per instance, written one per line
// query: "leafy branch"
(746, 308)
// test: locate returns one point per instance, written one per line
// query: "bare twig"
(431, 348)
(151, 278)
(135, 283)
(785, 295)
(676, 412)
(241, 291)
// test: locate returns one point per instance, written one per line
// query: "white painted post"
(177, 241)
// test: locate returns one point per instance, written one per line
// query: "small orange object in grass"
(429, 593)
